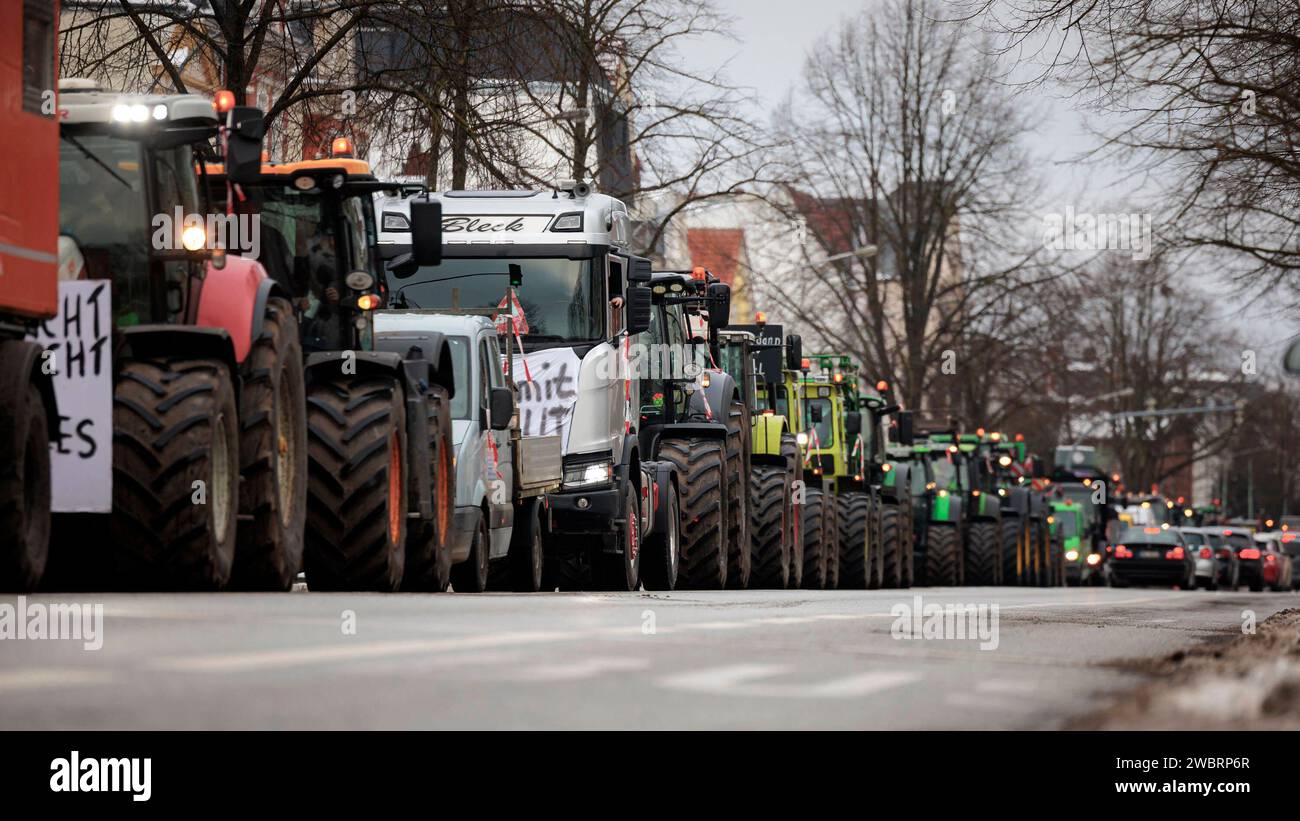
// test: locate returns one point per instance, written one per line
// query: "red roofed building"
(723, 252)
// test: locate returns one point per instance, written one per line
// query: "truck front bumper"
(585, 512)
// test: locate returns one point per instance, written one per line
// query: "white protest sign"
(78, 357)
(546, 403)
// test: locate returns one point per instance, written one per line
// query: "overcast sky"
(776, 36)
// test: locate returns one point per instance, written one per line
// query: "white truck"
(553, 270)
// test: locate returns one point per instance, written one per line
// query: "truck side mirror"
(639, 307)
(793, 352)
(719, 305)
(426, 232)
(501, 407)
(852, 423)
(244, 144)
(906, 437)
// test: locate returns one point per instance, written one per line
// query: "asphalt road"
(693, 660)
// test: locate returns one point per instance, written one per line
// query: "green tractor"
(1027, 556)
(983, 549)
(943, 495)
(1069, 528)
(889, 558)
(752, 355)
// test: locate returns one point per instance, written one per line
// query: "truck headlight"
(588, 474)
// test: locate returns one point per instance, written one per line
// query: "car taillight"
(1249, 553)
(1176, 553)
(1206, 553)
(1270, 558)
(1122, 552)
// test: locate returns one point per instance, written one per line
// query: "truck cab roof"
(82, 102)
(534, 218)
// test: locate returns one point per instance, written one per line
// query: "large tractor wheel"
(943, 557)
(739, 554)
(769, 529)
(272, 456)
(834, 507)
(983, 559)
(703, 558)
(663, 551)
(356, 500)
(855, 526)
(428, 543)
(798, 498)
(892, 545)
(175, 474)
(24, 490)
(1013, 536)
(816, 541)
(876, 546)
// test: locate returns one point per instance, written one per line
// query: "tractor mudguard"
(414, 376)
(431, 347)
(721, 390)
(896, 484)
(20, 364)
(765, 447)
(695, 430)
(234, 298)
(198, 342)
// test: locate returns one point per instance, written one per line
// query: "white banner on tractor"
(78, 357)
(548, 391)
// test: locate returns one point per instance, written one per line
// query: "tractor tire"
(272, 456)
(175, 442)
(473, 574)
(875, 546)
(769, 529)
(428, 544)
(739, 553)
(621, 572)
(703, 560)
(855, 525)
(835, 506)
(816, 543)
(1012, 532)
(24, 491)
(356, 484)
(525, 559)
(891, 548)
(983, 561)
(907, 538)
(943, 557)
(798, 496)
(663, 551)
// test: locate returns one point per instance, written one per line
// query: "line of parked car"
(1211, 557)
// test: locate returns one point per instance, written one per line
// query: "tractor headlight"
(1072, 555)
(801, 438)
(193, 237)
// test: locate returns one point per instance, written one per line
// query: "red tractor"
(209, 438)
(29, 215)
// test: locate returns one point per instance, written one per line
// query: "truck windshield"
(104, 209)
(561, 298)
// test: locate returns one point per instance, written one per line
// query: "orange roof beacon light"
(224, 101)
(341, 147)
(979, 432)
(699, 274)
(1020, 437)
(882, 386)
(805, 364)
(838, 377)
(760, 318)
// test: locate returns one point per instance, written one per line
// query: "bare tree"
(1204, 97)
(902, 138)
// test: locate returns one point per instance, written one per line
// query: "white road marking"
(580, 669)
(44, 677)
(744, 680)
